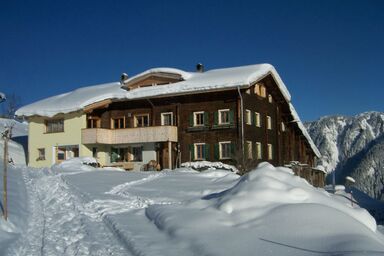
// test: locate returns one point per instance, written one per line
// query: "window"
(224, 116)
(248, 118)
(270, 99)
(269, 123)
(282, 127)
(54, 125)
(270, 152)
(118, 123)
(198, 118)
(137, 154)
(248, 149)
(93, 122)
(142, 120)
(225, 150)
(167, 118)
(248, 91)
(260, 90)
(94, 152)
(199, 149)
(41, 153)
(259, 153)
(257, 119)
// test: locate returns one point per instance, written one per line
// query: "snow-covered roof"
(194, 82)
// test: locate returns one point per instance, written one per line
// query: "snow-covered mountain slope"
(353, 146)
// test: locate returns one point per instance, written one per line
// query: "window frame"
(270, 98)
(195, 113)
(41, 154)
(220, 112)
(257, 119)
(195, 149)
(270, 151)
(163, 118)
(248, 117)
(269, 122)
(136, 118)
(113, 119)
(249, 152)
(92, 121)
(49, 125)
(259, 150)
(221, 150)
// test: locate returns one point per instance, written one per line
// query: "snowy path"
(58, 225)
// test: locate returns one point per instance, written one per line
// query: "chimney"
(123, 78)
(199, 68)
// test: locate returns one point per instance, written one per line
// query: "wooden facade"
(233, 126)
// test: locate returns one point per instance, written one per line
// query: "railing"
(129, 135)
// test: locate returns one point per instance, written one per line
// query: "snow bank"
(204, 165)
(76, 164)
(267, 207)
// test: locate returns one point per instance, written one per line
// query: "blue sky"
(329, 53)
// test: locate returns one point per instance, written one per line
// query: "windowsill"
(197, 128)
(52, 132)
(223, 126)
(225, 158)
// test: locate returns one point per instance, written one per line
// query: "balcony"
(129, 135)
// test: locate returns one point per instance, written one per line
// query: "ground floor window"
(258, 150)
(41, 154)
(127, 154)
(94, 152)
(270, 152)
(248, 150)
(225, 150)
(66, 152)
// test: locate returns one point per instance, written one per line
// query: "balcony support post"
(170, 155)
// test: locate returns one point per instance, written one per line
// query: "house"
(172, 116)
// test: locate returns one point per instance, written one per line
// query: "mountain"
(353, 146)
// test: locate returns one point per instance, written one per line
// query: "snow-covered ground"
(73, 209)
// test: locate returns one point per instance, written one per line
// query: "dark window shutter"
(206, 151)
(192, 152)
(206, 118)
(217, 152)
(231, 117)
(232, 149)
(216, 117)
(191, 120)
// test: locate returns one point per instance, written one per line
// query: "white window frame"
(220, 113)
(195, 118)
(195, 145)
(270, 99)
(249, 152)
(263, 91)
(270, 151)
(163, 118)
(257, 119)
(248, 117)
(41, 154)
(221, 143)
(259, 150)
(269, 122)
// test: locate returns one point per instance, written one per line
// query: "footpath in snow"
(73, 209)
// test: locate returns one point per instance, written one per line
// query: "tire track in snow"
(57, 225)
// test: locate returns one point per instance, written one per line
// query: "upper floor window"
(269, 123)
(198, 118)
(141, 120)
(118, 123)
(257, 119)
(270, 98)
(260, 90)
(248, 117)
(282, 127)
(54, 125)
(167, 118)
(225, 149)
(93, 122)
(224, 116)
(248, 91)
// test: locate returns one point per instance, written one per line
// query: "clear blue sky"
(329, 53)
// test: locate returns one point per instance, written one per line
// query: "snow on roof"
(194, 82)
